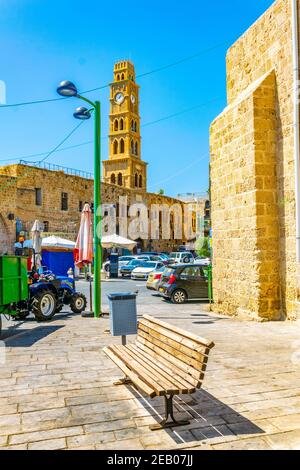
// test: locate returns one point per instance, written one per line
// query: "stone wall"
(66, 223)
(252, 175)
(7, 206)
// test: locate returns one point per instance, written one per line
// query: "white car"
(203, 261)
(122, 261)
(181, 257)
(142, 272)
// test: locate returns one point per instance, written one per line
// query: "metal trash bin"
(123, 314)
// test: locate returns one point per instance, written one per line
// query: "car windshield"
(134, 262)
(149, 265)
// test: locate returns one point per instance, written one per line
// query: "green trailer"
(13, 284)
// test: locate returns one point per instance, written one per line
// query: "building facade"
(253, 208)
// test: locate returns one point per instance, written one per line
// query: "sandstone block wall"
(252, 175)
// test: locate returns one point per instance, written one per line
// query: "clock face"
(133, 99)
(119, 98)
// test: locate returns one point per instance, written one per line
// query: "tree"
(161, 192)
(202, 248)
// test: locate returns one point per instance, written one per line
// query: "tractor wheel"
(44, 305)
(78, 303)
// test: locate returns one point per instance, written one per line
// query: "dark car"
(127, 270)
(183, 282)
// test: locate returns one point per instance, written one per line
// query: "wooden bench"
(164, 361)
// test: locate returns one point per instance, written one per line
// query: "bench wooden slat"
(173, 344)
(157, 384)
(178, 338)
(162, 371)
(129, 373)
(185, 334)
(145, 338)
(193, 378)
(147, 366)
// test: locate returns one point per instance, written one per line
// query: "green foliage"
(161, 192)
(202, 247)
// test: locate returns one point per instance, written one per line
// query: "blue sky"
(44, 42)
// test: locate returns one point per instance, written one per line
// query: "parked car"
(127, 270)
(123, 261)
(154, 279)
(181, 283)
(203, 261)
(142, 272)
(179, 257)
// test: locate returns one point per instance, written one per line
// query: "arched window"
(132, 147)
(122, 76)
(136, 149)
(121, 124)
(116, 125)
(113, 179)
(122, 146)
(120, 179)
(140, 181)
(135, 126)
(116, 147)
(132, 125)
(136, 180)
(118, 77)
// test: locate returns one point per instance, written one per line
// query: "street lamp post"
(68, 89)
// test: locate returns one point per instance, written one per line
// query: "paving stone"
(52, 444)
(118, 425)
(244, 444)
(45, 435)
(285, 440)
(126, 444)
(90, 439)
(287, 423)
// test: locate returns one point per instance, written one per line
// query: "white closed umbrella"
(36, 230)
(115, 241)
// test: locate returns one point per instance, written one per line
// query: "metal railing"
(53, 167)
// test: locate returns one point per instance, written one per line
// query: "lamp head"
(82, 113)
(67, 88)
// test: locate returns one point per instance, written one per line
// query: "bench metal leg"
(169, 412)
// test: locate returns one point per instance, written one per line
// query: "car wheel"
(179, 297)
(186, 259)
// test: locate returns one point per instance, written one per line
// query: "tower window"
(136, 180)
(136, 149)
(113, 178)
(116, 147)
(116, 125)
(132, 147)
(122, 146)
(118, 77)
(140, 181)
(120, 179)
(122, 76)
(121, 124)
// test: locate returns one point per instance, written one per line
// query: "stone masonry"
(252, 176)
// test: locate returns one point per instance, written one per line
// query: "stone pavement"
(57, 392)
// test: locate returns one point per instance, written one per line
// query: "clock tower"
(124, 166)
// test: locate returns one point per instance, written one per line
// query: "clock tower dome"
(124, 166)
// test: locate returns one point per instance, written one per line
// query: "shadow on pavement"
(209, 418)
(26, 338)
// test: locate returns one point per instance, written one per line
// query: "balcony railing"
(53, 167)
